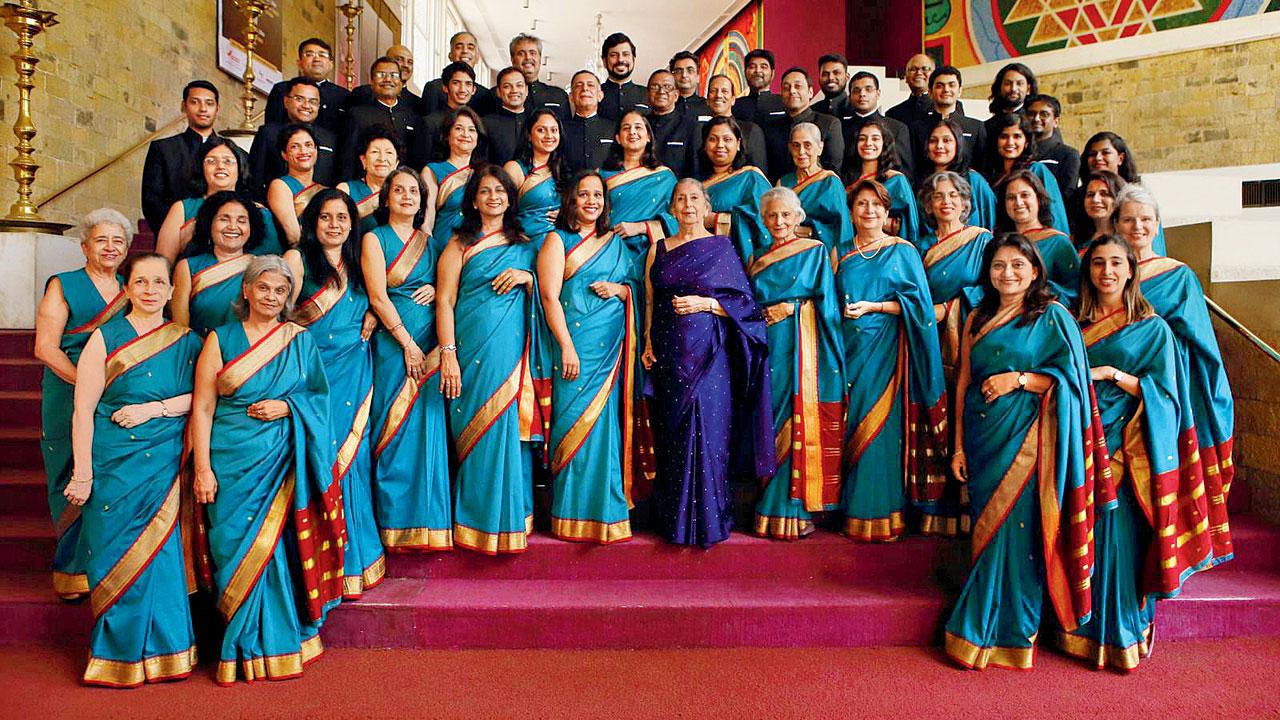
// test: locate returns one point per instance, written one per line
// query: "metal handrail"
(1239, 327)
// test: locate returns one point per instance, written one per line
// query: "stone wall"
(1203, 108)
(111, 73)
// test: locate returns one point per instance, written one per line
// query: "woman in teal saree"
(538, 170)
(1031, 450)
(206, 282)
(407, 418)
(332, 303)
(639, 188)
(1013, 149)
(133, 393)
(875, 157)
(1024, 209)
(794, 285)
(897, 416)
(380, 152)
(485, 325)
(822, 195)
(1143, 402)
(587, 285)
(264, 470)
(446, 180)
(944, 152)
(1176, 294)
(75, 304)
(734, 189)
(288, 195)
(218, 169)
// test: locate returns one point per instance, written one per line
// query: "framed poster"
(725, 53)
(267, 59)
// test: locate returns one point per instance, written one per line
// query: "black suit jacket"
(333, 98)
(503, 128)
(694, 106)
(400, 118)
(265, 163)
(621, 99)
(483, 102)
(167, 173)
(777, 135)
(542, 95)
(363, 95)
(1063, 161)
(676, 141)
(758, 107)
(585, 142)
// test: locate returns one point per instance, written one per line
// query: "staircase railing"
(1239, 327)
(146, 140)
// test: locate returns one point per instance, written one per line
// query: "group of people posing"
(394, 362)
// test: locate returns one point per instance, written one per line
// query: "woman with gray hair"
(820, 191)
(794, 284)
(75, 303)
(1174, 291)
(264, 459)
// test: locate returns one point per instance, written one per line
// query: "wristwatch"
(1118, 377)
(1022, 381)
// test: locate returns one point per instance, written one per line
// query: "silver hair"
(696, 183)
(786, 196)
(104, 216)
(807, 127)
(257, 266)
(930, 186)
(1138, 194)
(524, 37)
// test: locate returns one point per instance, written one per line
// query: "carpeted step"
(20, 374)
(26, 542)
(20, 409)
(17, 343)
(20, 448)
(22, 493)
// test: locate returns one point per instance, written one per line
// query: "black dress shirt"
(333, 98)
(433, 98)
(974, 141)
(1062, 160)
(265, 163)
(585, 142)
(759, 107)
(622, 99)
(504, 128)
(695, 106)
(542, 95)
(676, 141)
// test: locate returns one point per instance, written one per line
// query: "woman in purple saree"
(707, 354)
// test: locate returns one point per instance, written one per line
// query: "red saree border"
(138, 557)
(116, 304)
(142, 348)
(244, 366)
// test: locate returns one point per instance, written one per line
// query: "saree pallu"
(982, 211)
(366, 200)
(896, 427)
(1061, 262)
(334, 314)
(593, 416)
(1035, 463)
(302, 192)
(497, 415)
(642, 194)
(215, 286)
(826, 208)
(953, 266)
(538, 196)
(270, 244)
(275, 531)
(1158, 534)
(452, 184)
(1175, 293)
(902, 208)
(710, 388)
(142, 621)
(410, 447)
(806, 378)
(735, 200)
(86, 312)
(1057, 207)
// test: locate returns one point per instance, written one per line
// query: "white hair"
(524, 37)
(257, 266)
(930, 186)
(787, 197)
(809, 128)
(104, 216)
(696, 183)
(1138, 194)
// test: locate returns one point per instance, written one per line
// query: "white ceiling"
(571, 40)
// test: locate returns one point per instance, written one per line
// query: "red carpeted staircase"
(824, 591)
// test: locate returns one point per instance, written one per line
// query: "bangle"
(76, 477)
(450, 348)
(392, 331)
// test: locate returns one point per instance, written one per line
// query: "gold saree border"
(117, 303)
(579, 255)
(954, 241)
(271, 667)
(70, 586)
(399, 409)
(244, 366)
(816, 177)
(353, 586)
(142, 348)
(351, 443)
(406, 261)
(425, 539)
(124, 674)
(493, 543)
(976, 657)
(138, 557)
(489, 412)
(577, 434)
(309, 311)
(882, 529)
(591, 531)
(255, 559)
(782, 528)
(451, 183)
(303, 197)
(781, 251)
(218, 273)
(1103, 655)
(639, 172)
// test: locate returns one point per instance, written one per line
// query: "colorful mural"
(971, 32)
(725, 53)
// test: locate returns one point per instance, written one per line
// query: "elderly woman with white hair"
(1176, 295)
(795, 286)
(75, 303)
(707, 352)
(264, 467)
(820, 191)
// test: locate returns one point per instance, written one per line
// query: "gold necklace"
(872, 255)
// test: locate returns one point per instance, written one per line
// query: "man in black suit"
(620, 94)
(462, 48)
(796, 94)
(916, 73)
(721, 101)
(459, 81)
(505, 124)
(526, 54)
(675, 134)
(387, 109)
(864, 106)
(759, 104)
(365, 94)
(315, 61)
(833, 79)
(684, 66)
(168, 167)
(301, 104)
(587, 137)
(944, 90)
(1044, 112)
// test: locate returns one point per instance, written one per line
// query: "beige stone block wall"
(1202, 108)
(110, 74)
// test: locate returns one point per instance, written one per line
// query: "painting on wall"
(267, 59)
(725, 53)
(972, 32)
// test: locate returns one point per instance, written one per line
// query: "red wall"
(799, 31)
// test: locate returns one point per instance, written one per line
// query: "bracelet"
(164, 410)
(75, 478)
(392, 331)
(449, 348)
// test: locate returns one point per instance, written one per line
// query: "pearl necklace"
(872, 255)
